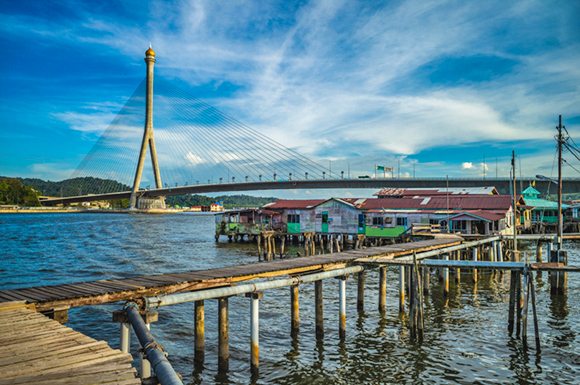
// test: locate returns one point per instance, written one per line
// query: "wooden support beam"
(223, 335)
(360, 296)
(199, 349)
(401, 289)
(294, 310)
(319, 311)
(382, 288)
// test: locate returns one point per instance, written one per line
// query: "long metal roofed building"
(433, 191)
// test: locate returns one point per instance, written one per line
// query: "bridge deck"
(61, 297)
(35, 349)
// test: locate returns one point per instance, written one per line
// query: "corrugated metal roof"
(487, 215)
(294, 203)
(433, 191)
(456, 202)
(543, 203)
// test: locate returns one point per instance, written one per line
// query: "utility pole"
(399, 168)
(560, 224)
(514, 221)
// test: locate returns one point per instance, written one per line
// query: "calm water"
(466, 336)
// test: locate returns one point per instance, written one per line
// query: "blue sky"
(438, 84)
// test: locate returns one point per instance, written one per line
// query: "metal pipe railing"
(154, 352)
(173, 299)
(445, 250)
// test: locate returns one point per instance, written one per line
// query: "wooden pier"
(37, 350)
(59, 298)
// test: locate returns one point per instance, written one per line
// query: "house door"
(325, 221)
(362, 223)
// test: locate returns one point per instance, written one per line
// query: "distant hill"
(72, 187)
(229, 201)
(89, 185)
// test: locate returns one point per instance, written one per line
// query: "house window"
(459, 225)
(401, 221)
(377, 221)
(433, 221)
(293, 218)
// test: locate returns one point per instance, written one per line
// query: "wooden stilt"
(259, 247)
(539, 251)
(458, 270)
(319, 308)
(526, 293)
(282, 246)
(475, 260)
(360, 297)
(382, 288)
(518, 304)
(401, 289)
(446, 277)
(294, 310)
(535, 314)
(512, 301)
(425, 280)
(199, 352)
(223, 335)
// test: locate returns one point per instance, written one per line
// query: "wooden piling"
(446, 277)
(360, 296)
(534, 311)
(319, 308)
(259, 241)
(255, 329)
(282, 246)
(337, 244)
(518, 304)
(342, 307)
(199, 352)
(539, 252)
(401, 289)
(425, 277)
(382, 288)
(525, 310)
(417, 300)
(458, 270)
(512, 301)
(475, 260)
(294, 310)
(223, 335)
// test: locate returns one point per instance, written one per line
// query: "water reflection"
(466, 338)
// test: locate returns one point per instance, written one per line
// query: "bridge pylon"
(148, 139)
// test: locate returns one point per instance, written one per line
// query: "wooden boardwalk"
(37, 350)
(62, 297)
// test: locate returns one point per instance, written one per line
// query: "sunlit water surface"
(466, 338)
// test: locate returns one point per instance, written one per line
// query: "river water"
(466, 338)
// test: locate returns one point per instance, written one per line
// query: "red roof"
(456, 202)
(490, 216)
(294, 203)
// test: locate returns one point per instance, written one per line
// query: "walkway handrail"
(173, 299)
(153, 351)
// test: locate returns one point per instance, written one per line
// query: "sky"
(431, 88)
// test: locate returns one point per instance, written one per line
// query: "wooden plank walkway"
(39, 351)
(62, 297)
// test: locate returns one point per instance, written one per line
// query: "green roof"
(530, 192)
(542, 203)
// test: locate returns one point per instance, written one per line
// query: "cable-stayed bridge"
(196, 148)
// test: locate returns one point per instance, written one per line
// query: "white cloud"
(194, 159)
(467, 166)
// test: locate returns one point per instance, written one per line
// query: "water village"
(427, 232)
